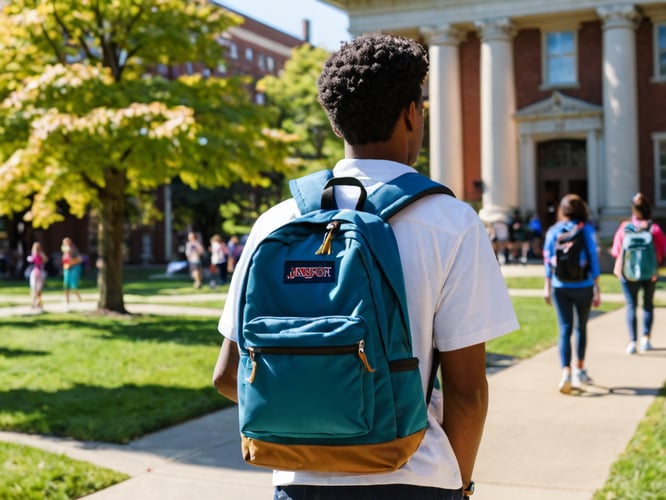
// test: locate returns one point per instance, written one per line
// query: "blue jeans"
(567, 301)
(631, 289)
(375, 492)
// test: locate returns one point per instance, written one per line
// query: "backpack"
(327, 380)
(639, 257)
(570, 264)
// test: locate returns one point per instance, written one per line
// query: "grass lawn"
(640, 472)
(30, 474)
(137, 281)
(607, 282)
(106, 379)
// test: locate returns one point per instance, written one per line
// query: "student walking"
(572, 270)
(194, 252)
(38, 260)
(219, 255)
(646, 242)
(72, 266)
(371, 91)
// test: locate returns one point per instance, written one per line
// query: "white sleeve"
(474, 304)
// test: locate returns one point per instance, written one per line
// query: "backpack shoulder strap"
(385, 201)
(307, 190)
(390, 198)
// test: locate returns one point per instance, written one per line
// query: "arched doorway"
(561, 169)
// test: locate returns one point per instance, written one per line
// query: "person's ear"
(410, 116)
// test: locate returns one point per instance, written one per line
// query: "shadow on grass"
(140, 328)
(112, 415)
(17, 353)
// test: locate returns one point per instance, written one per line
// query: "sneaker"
(575, 380)
(645, 343)
(580, 375)
(565, 383)
(631, 348)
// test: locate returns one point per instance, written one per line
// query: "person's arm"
(226, 370)
(548, 268)
(595, 265)
(465, 390)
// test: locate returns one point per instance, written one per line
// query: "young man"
(457, 299)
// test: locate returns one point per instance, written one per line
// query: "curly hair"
(365, 85)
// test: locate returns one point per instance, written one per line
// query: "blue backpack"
(327, 380)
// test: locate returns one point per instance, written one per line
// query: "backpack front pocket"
(305, 378)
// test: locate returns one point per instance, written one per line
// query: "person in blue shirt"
(572, 297)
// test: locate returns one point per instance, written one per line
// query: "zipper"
(358, 348)
(325, 247)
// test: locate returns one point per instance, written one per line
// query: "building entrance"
(561, 170)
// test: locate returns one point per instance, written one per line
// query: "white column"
(446, 158)
(499, 160)
(593, 177)
(620, 106)
(527, 179)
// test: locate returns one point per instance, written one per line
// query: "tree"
(292, 98)
(85, 120)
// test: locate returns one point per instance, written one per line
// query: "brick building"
(532, 100)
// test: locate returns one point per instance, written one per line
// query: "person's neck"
(377, 151)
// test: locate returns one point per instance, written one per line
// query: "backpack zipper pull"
(250, 379)
(325, 247)
(364, 358)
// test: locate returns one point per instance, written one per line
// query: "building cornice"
(391, 16)
(558, 106)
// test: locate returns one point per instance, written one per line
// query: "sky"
(328, 25)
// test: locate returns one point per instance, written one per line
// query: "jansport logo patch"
(316, 271)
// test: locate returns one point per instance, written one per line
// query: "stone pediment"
(558, 106)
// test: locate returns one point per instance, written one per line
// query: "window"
(660, 51)
(233, 50)
(261, 61)
(260, 98)
(248, 53)
(660, 168)
(559, 58)
(270, 64)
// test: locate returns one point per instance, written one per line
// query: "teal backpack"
(327, 380)
(639, 257)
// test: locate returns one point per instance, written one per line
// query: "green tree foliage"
(292, 99)
(85, 119)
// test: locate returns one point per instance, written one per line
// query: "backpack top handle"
(328, 196)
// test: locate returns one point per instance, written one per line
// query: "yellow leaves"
(57, 76)
(154, 120)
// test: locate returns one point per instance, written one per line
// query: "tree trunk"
(110, 243)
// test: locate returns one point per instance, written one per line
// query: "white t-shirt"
(456, 295)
